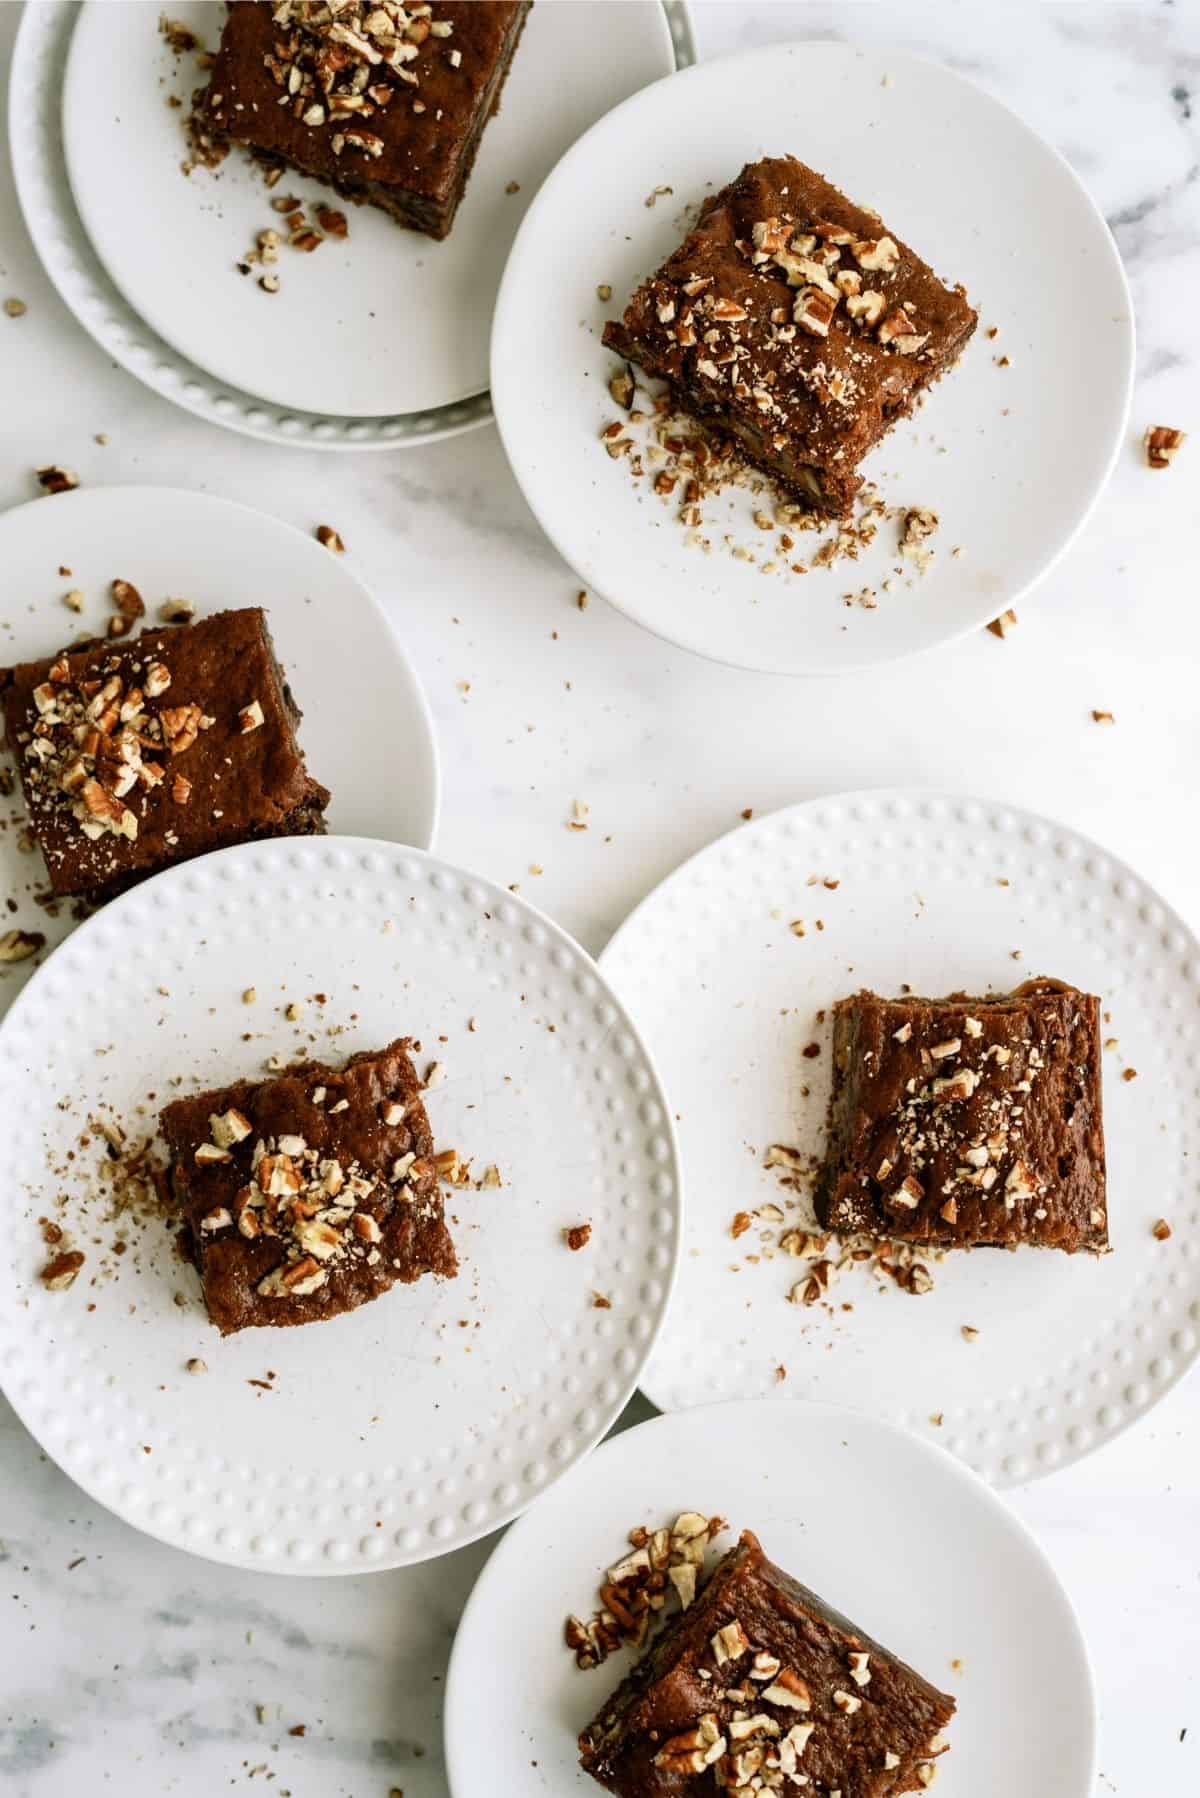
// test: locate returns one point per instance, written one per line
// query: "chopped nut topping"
(330, 538)
(788, 1690)
(881, 254)
(813, 311)
(846, 1701)
(1004, 625)
(860, 1668)
(251, 717)
(729, 1643)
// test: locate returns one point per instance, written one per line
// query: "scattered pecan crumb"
(1162, 444)
(329, 537)
(1161, 1230)
(177, 611)
(635, 1591)
(747, 813)
(512, 187)
(969, 1333)
(127, 599)
(15, 308)
(1129, 1073)
(1004, 625)
(604, 292)
(578, 1236)
(600, 1303)
(1103, 717)
(581, 600)
(741, 1223)
(196, 1365)
(811, 1051)
(54, 479)
(19, 945)
(61, 1272)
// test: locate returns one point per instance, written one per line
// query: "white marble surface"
(136, 1669)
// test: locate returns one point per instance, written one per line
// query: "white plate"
(1071, 1349)
(1027, 448)
(439, 386)
(898, 1536)
(383, 772)
(439, 1411)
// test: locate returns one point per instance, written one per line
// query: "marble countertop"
(129, 1667)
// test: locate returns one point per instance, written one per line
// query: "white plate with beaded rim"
(327, 628)
(440, 1410)
(650, 44)
(995, 451)
(945, 1577)
(939, 892)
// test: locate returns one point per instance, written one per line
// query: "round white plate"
(380, 763)
(180, 317)
(896, 1535)
(1071, 1349)
(1011, 459)
(439, 1411)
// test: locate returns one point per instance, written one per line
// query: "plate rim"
(83, 496)
(1130, 1416)
(957, 1472)
(628, 605)
(431, 1548)
(66, 255)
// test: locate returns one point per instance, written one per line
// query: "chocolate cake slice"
(968, 1121)
(307, 1195)
(759, 1686)
(794, 321)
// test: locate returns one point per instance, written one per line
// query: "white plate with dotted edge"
(1011, 457)
(327, 629)
(199, 341)
(440, 1410)
(1070, 1349)
(944, 1576)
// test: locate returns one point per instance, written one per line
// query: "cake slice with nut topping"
(793, 321)
(758, 1687)
(965, 1121)
(309, 1194)
(146, 751)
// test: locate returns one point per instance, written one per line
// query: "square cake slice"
(794, 321)
(137, 754)
(387, 103)
(760, 1687)
(968, 1121)
(307, 1195)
